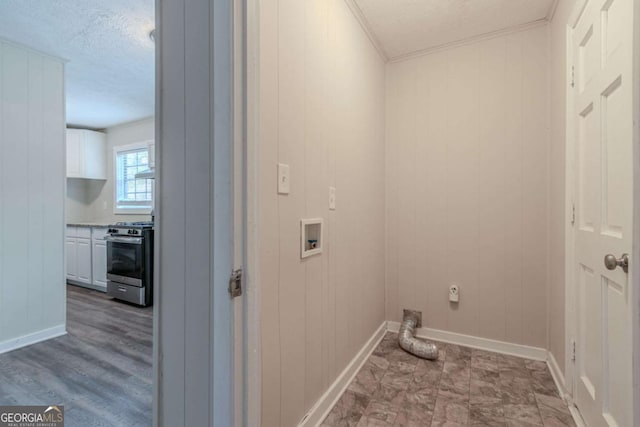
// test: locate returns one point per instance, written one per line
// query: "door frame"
(200, 239)
(247, 18)
(251, 77)
(635, 260)
(570, 285)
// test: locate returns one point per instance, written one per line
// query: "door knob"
(611, 262)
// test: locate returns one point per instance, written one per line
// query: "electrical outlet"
(454, 293)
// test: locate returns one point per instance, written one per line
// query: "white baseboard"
(558, 377)
(502, 347)
(561, 385)
(577, 418)
(23, 341)
(327, 401)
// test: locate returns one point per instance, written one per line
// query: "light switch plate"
(332, 198)
(284, 185)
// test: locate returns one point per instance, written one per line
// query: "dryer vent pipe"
(408, 341)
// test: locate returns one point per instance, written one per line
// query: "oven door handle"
(130, 240)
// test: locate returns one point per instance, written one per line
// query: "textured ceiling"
(110, 73)
(403, 27)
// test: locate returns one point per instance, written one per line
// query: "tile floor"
(464, 387)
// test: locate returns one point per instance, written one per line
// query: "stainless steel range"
(130, 262)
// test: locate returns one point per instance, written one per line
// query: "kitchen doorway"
(78, 85)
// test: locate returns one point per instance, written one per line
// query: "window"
(133, 196)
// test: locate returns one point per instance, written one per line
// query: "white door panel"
(72, 255)
(602, 42)
(99, 260)
(84, 260)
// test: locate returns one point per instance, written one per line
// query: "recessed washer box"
(311, 237)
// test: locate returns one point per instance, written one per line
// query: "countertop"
(89, 224)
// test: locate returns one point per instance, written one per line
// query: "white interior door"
(602, 49)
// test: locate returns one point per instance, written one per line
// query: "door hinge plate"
(573, 214)
(235, 283)
(573, 351)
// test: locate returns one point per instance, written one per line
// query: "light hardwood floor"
(101, 371)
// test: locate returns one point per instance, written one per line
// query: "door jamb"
(635, 261)
(251, 77)
(571, 325)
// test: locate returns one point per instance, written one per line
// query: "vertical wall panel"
(14, 170)
(467, 187)
(322, 108)
(32, 178)
(197, 210)
(461, 180)
(170, 185)
(35, 180)
(291, 149)
(316, 191)
(54, 156)
(514, 188)
(436, 150)
(492, 213)
(195, 216)
(269, 221)
(535, 186)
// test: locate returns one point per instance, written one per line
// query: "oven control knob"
(129, 231)
(136, 232)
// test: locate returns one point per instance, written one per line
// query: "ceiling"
(110, 69)
(403, 27)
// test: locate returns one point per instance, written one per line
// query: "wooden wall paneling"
(14, 170)
(35, 182)
(513, 192)
(491, 206)
(467, 187)
(269, 221)
(292, 209)
(535, 186)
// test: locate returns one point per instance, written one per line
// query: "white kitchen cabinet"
(99, 258)
(86, 154)
(86, 252)
(84, 261)
(72, 258)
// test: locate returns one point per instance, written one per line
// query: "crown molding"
(470, 40)
(366, 27)
(552, 10)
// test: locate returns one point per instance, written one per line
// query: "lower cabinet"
(84, 260)
(99, 258)
(71, 247)
(86, 252)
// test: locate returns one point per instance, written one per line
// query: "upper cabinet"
(86, 154)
